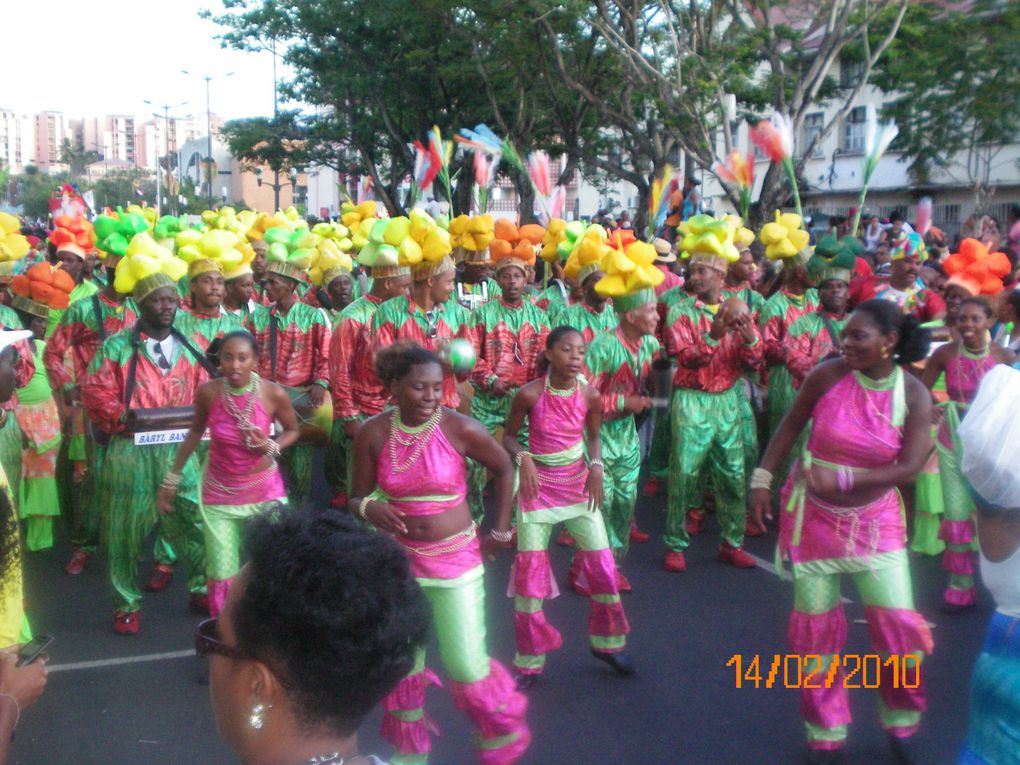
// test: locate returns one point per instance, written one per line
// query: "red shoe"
(564, 539)
(160, 577)
(694, 520)
(199, 604)
(675, 562)
(339, 500)
(637, 535)
(79, 559)
(572, 583)
(735, 556)
(622, 584)
(653, 487)
(126, 622)
(751, 529)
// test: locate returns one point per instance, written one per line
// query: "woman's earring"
(885, 352)
(257, 718)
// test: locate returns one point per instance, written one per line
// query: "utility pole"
(166, 151)
(208, 129)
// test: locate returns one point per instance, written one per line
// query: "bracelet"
(272, 448)
(761, 479)
(503, 537)
(596, 463)
(520, 456)
(363, 508)
(17, 708)
(171, 480)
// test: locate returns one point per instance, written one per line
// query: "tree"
(679, 64)
(124, 187)
(276, 142)
(956, 75)
(77, 158)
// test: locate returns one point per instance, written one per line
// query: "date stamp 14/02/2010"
(816, 671)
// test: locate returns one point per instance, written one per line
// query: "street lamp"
(166, 147)
(208, 120)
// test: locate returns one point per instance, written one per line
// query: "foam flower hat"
(231, 250)
(115, 231)
(630, 272)
(13, 245)
(145, 257)
(473, 233)
(709, 241)
(555, 234)
(40, 288)
(976, 269)
(785, 238)
(516, 243)
(72, 233)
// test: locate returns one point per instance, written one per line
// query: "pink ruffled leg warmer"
(405, 724)
(826, 710)
(607, 623)
(904, 633)
(496, 709)
(958, 560)
(218, 590)
(532, 583)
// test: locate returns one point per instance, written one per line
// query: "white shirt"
(168, 345)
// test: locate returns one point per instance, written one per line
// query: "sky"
(95, 57)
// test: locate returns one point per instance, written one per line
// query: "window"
(809, 130)
(850, 73)
(853, 131)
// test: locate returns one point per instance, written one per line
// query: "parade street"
(145, 699)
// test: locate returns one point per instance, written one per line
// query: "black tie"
(160, 358)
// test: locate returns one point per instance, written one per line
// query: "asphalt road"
(682, 707)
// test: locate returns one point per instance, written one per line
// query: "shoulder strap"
(199, 356)
(273, 330)
(831, 329)
(129, 385)
(98, 309)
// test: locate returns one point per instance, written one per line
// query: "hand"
(25, 684)
(822, 482)
(719, 326)
(498, 388)
(165, 500)
(593, 487)
(491, 548)
(636, 404)
(742, 324)
(316, 395)
(72, 396)
(384, 516)
(761, 507)
(351, 428)
(528, 481)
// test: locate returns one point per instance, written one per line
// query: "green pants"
(708, 445)
(162, 550)
(127, 490)
(223, 529)
(87, 517)
(296, 467)
(492, 412)
(339, 460)
(658, 455)
(621, 454)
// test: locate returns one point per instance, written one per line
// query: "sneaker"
(564, 539)
(79, 559)
(751, 529)
(126, 622)
(199, 604)
(622, 583)
(620, 662)
(675, 562)
(160, 577)
(637, 535)
(695, 518)
(735, 556)
(653, 487)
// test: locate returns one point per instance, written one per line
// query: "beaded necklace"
(420, 436)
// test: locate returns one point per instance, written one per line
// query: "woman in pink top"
(561, 482)
(410, 481)
(965, 362)
(242, 478)
(842, 514)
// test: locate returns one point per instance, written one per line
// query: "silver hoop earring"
(257, 718)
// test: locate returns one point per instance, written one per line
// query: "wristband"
(363, 508)
(171, 480)
(503, 537)
(596, 463)
(17, 708)
(520, 456)
(761, 479)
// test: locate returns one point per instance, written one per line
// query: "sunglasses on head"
(207, 641)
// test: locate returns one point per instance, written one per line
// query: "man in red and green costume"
(621, 363)
(426, 317)
(903, 286)
(592, 316)
(69, 351)
(713, 345)
(356, 391)
(144, 367)
(741, 274)
(293, 340)
(509, 335)
(70, 257)
(206, 320)
(238, 291)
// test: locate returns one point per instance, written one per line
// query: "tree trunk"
(525, 197)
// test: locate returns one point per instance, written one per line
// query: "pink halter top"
(434, 482)
(964, 373)
(556, 422)
(232, 464)
(852, 425)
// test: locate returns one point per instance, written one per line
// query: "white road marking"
(98, 664)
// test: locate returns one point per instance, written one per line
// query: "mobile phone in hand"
(33, 649)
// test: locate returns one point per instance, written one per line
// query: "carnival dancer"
(560, 481)
(69, 351)
(508, 334)
(410, 481)
(356, 391)
(68, 240)
(39, 420)
(150, 366)
(475, 286)
(786, 243)
(241, 479)
(843, 515)
(592, 316)
(238, 291)
(965, 363)
(293, 342)
(621, 363)
(989, 465)
(424, 317)
(903, 286)
(712, 342)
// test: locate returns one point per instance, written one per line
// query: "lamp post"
(166, 148)
(208, 122)
(276, 185)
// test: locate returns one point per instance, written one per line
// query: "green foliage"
(124, 187)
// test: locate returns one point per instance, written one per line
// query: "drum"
(315, 424)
